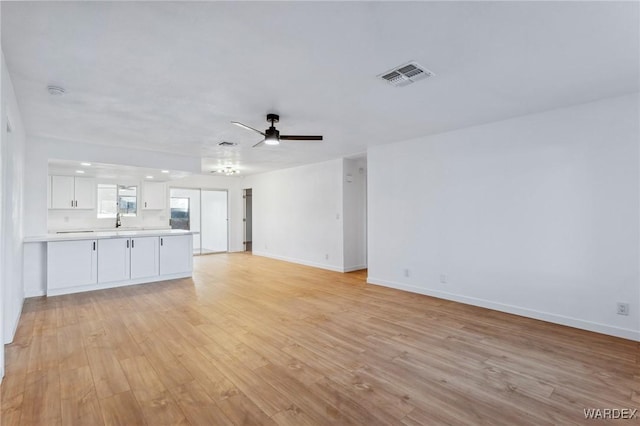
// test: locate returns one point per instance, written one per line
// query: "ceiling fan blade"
(300, 138)
(244, 126)
(259, 143)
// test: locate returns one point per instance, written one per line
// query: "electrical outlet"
(443, 278)
(623, 308)
(407, 273)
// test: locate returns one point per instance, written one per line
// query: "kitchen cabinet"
(144, 257)
(69, 192)
(79, 262)
(122, 259)
(113, 259)
(176, 254)
(71, 263)
(154, 196)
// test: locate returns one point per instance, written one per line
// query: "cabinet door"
(144, 257)
(85, 193)
(62, 192)
(71, 263)
(176, 254)
(154, 195)
(113, 260)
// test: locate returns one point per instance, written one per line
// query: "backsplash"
(71, 220)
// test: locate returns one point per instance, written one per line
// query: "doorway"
(204, 211)
(247, 196)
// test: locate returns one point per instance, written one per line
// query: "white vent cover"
(406, 74)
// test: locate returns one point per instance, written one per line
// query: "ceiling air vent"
(406, 74)
(227, 144)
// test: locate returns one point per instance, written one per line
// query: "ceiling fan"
(272, 136)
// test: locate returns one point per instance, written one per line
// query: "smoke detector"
(405, 74)
(55, 90)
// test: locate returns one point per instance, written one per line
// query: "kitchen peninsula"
(85, 261)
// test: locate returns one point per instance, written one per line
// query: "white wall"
(297, 214)
(355, 214)
(537, 215)
(13, 172)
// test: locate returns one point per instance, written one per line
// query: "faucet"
(118, 223)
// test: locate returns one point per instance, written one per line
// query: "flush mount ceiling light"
(55, 90)
(85, 164)
(80, 171)
(229, 171)
(148, 177)
(164, 171)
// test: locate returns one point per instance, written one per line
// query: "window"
(117, 198)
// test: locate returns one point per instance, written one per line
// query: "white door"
(214, 235)
(62, 192)
(85, 192)
(144, 257)
(154, 195)
(71, 263)
(113, 259)
(175, 254)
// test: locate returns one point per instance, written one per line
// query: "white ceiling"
(171, 76)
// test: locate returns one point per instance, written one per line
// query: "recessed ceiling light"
(85, 164)
(149, 177)
(164, 171)
(55, 90)
(80, 171)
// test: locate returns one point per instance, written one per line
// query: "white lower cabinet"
(122, 259)
(113, 260)
(72, 263)
(175, 254)
(144, 257)
(84, 265)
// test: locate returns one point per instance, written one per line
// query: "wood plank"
(198, 406)
(121, 409)
(41, 399)
(79, 402)
(107, 373)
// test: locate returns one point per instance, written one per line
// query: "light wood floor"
(256, 341)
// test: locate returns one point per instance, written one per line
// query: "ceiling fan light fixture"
(272, 136)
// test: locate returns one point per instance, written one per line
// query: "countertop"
(95, 235)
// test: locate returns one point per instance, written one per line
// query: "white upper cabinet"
(68, 192)
(62, 192)
(85, 193)
(154, 196)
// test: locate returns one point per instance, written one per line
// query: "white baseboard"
(299, 261)
(354, 268)
(34, 293)
(517, 310)
(92, 287)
